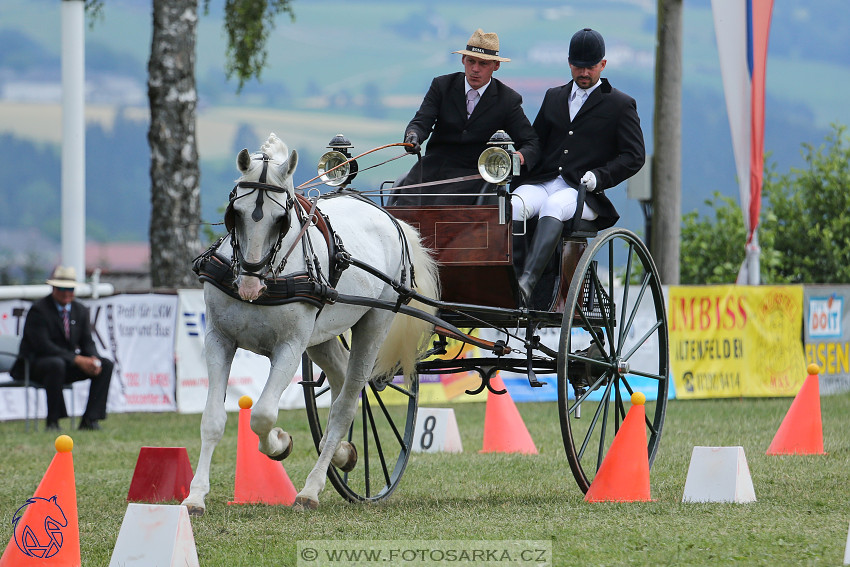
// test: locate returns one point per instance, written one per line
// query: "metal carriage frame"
(473, 247)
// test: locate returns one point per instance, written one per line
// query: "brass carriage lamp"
(336, 168)
(498, 164)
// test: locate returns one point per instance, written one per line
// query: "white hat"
(64, 276)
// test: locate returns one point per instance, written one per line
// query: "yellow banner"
(734, 341)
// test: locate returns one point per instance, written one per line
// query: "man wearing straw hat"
(459, 114)
(58, 342)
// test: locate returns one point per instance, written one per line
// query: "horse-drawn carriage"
(598, 326)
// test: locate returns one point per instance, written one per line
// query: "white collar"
(468, 87)
(588, 91)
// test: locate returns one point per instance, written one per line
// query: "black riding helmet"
(587, 48)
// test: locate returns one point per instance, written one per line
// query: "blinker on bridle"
(260, 186)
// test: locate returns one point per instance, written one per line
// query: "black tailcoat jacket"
(44, 334)
(605, 137)
(455, 142)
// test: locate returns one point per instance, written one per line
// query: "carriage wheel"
(382, 432)
(623, 309)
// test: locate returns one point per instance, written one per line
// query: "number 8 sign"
(436, 430)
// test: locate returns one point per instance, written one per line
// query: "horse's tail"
(409, 336)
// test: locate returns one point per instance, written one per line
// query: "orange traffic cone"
(624, 473)
(47, 530)
(259, 480)
(162, 473)
(801, 432)
(504, 429)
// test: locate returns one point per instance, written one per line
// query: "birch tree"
(173, 97)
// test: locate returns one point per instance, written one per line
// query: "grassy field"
(801, 516)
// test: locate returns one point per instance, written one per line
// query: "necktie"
(471, 100)
(67, 321)
(578, 100)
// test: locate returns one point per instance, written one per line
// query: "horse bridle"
(261, 187)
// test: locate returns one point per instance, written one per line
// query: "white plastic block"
(154, 534)
(719, 474)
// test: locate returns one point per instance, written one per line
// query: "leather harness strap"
(499, 348)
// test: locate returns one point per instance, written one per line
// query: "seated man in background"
(58, 342)
(463, 110)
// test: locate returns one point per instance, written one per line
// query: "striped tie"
(67, 321)
(471, 101)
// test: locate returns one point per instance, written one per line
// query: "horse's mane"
(279, 153)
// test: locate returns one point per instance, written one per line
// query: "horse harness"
(311, 285)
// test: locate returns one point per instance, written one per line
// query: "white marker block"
(847, 549)
(153, 534)
(436, 430)
(719, 474)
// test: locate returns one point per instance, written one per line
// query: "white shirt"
(576, 104)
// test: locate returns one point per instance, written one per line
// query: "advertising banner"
(731, 341)
(827, 335)
(137, 333)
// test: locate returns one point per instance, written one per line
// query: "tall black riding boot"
(546, 239)
(520, 243)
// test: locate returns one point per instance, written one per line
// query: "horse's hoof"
(302, 504)
(285, 452)
(349, 465)
(195, 510)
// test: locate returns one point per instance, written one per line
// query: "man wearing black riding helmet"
(589, 134)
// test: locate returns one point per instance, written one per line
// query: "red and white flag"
(742, 28)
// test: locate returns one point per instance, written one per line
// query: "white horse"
(268, 236)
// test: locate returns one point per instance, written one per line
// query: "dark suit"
(605, 137)
(52, 357)
(456, 142)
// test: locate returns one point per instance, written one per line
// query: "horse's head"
(258, 215)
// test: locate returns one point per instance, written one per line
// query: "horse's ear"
(243, 160)
(288, 167)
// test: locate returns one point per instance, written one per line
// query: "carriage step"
(532, 379)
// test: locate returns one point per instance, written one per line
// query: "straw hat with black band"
(483, 46)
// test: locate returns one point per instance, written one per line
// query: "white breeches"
(549, 199)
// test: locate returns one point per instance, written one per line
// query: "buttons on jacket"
(566, 151)
(570, 132)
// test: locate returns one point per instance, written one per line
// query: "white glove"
(589, 180)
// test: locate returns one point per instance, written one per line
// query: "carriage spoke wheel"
(382, 432)
(615, 300)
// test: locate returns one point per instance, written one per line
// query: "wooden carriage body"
(473, 245)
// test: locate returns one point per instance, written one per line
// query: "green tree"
(803, 232)
(807, 218)
(712, 248)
